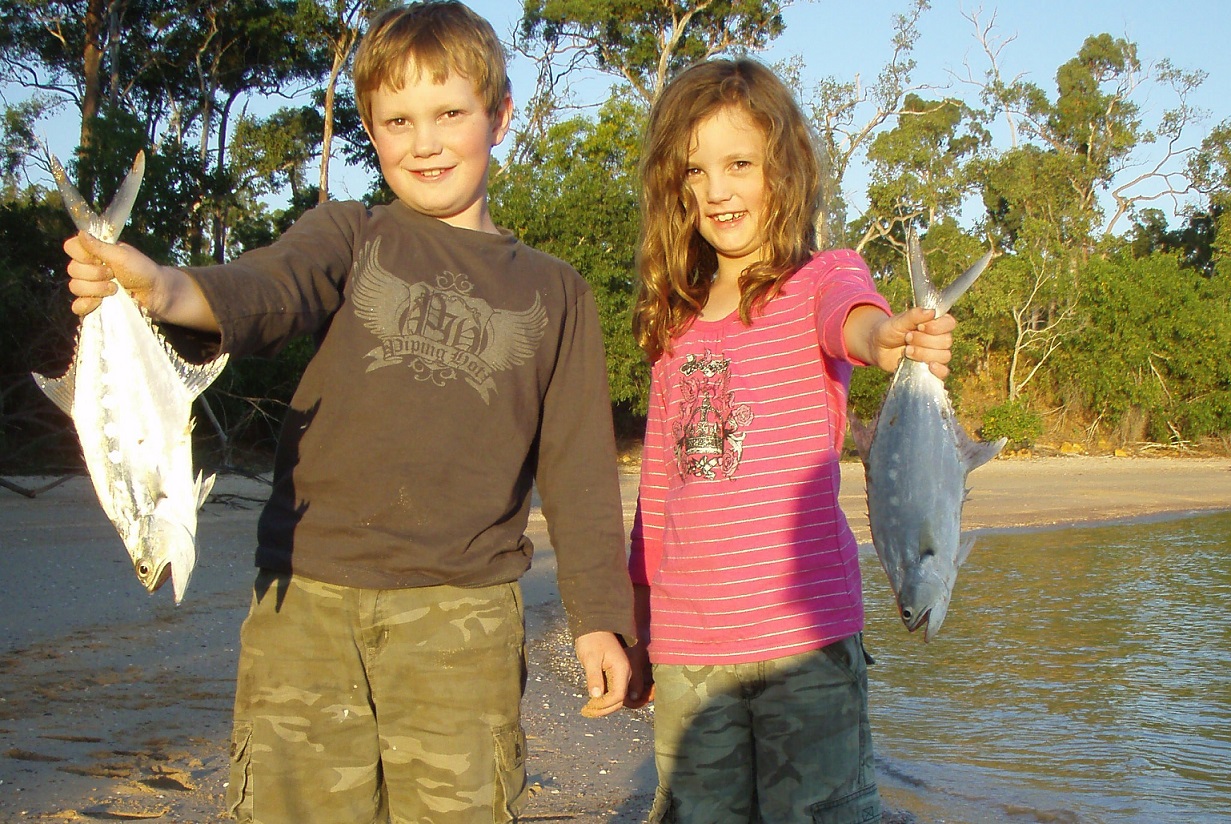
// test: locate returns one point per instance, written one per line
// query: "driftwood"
(36, 491)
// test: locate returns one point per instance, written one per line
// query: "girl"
(749, 597)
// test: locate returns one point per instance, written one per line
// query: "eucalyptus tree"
(575, 196)
(848, 112)
(922, 168)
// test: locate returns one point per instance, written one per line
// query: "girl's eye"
(691, 173)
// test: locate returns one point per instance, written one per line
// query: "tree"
(644, 42)
(576, 197)
(837, 110)
(921, 170)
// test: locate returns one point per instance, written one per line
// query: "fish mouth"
(153, 576)
(914, 622)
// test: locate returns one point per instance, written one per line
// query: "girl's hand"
(879, 339)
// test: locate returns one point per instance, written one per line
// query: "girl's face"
(726, 175)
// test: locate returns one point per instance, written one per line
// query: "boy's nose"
(427, 143)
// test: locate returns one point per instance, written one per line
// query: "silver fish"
(130, 396)
(916, 457)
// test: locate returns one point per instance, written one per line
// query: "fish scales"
(916, 459)
(130, 397)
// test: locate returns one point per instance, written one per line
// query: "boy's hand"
(917, 334)
(95, 264)
(164, 292)
(607, 672)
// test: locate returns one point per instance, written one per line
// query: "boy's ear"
(503, 120)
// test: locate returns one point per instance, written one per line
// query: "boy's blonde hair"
(439, 37)
(676, 265)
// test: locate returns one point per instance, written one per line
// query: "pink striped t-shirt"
(738, 530)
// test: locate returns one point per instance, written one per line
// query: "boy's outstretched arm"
(167, 294)
(607, 672)
(880, 340)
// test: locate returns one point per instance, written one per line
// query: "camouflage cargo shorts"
(362, 706)
(785, 740)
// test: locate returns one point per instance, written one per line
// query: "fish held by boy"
(130, 396)
(916, 457)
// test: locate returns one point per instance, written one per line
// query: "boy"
(382, 661)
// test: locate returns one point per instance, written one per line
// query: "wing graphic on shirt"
(380, 298)
(514, 335)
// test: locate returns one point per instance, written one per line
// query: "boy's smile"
(726, 175)
(434, 142)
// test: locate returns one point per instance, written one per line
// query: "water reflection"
(1081, 675)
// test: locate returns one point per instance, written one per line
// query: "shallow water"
(1082, 675)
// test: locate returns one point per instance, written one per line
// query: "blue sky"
(842, 40)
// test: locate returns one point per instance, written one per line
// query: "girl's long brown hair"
(676, 264)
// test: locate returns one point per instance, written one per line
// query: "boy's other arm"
(167, 294)
(876, 338)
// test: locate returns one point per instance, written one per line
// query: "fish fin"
(963, 550)
(84, 218)
(195, 377)
(198, 376)
(203, 487)
(920, 283)
(958, 287)
(976, 453)
(122, 204)
(862, 433)
(60, 390)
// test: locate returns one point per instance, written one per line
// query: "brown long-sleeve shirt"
(455, 369)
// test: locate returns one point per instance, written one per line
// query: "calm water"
(1082, 675)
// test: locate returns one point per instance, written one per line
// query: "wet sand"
(115, 705)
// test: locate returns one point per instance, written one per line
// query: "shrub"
(1012, 420)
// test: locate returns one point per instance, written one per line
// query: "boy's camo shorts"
(785, 740)
(362, 706)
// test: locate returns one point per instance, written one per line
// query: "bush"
(1012, 420)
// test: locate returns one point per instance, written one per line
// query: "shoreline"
(115, 704)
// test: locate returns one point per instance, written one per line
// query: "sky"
(843, 40)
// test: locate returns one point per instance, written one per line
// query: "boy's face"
(726, 175)
(434, 141)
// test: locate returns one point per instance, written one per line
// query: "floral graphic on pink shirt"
(709, 431)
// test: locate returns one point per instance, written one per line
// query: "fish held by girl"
(916, 457)
(130, 397)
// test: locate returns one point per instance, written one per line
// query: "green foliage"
(639, 39)
(1154, 344)
(1013, 420)
(575, 197)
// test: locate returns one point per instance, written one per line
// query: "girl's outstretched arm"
(876, 338)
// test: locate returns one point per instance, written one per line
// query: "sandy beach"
(115, 705)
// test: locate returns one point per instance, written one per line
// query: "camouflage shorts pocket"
(664, 809)
(860, 807)
(239, 796)
(510, 792)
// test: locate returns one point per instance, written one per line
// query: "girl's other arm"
(876, 338)
(167, 294)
